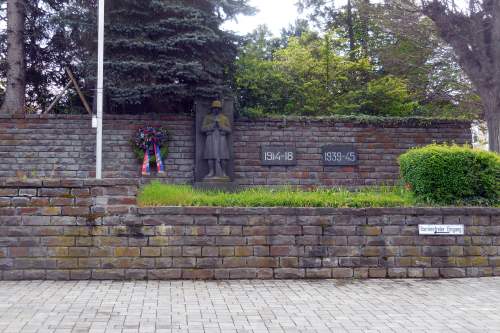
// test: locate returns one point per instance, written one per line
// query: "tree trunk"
(350, 31)
(494, 133)
(491, 102)
(16, 72)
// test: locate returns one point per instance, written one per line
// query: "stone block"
(262, 262)
(369, 231)
(54, 192)
(318, 273)
(265, 273)
(50, 211)
(310, 262)
(377, 273)
(432, 273)
(288, 262)
(110, 241)
(198, 274)
(171, 251)
(80, 274)
(397, 273)
(289, 273)
(233, 262)
(261, 251)
(312, 230)
(136, 274)
(361, 273)
(282, 240)
(164, 274)
(208, 262)
(284, 251)
(127, 252)
(452, 272)
(58, 241)
(108, 274)
(34, 274)
(257, 240)
(78, 252)
(191, 251)
(342, 273)
(230, 240)
(88, 263)
(415, 272)
(243, 251)
(184, 262)
(150, 252)
(67, 263)
(210, 251)
(8, 192)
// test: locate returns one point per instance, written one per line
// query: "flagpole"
(100, 87)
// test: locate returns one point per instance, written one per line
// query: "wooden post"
(77, 88)
(58, 97)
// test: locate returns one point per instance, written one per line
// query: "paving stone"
(286, 306)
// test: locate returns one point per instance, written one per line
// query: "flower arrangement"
(150, 147)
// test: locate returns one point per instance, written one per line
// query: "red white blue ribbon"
(146, 170)
(159, 161)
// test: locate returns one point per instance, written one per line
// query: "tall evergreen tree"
(16, 70)
(160, 54)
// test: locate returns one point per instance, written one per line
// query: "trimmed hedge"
(452, 174)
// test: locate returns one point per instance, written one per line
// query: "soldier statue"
(216, 126)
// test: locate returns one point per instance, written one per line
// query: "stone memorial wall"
(302, 152)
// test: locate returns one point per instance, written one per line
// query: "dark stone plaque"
(276, 155)
(339, 155)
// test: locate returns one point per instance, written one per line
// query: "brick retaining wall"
(63, 146)
(80, 229)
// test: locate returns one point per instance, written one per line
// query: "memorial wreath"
(150, 147)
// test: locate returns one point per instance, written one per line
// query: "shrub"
(452, 174)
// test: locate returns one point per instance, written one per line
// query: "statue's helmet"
(217, 104)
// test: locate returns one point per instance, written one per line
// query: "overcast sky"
(276, 14)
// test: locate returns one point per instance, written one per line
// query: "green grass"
(157, 194)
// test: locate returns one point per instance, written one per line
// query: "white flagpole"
(100, 87)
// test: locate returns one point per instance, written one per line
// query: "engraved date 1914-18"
(279, 156)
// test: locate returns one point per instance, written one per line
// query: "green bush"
(452, 174)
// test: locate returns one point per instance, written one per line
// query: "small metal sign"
(441, 229)
(339, 155)
(274, 155)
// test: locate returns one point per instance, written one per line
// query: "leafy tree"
(386, 96)
(312, 76)
(405, 44)
(400, 42)
(351, 21)
(474, 33)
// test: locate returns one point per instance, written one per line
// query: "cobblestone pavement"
(469, 305)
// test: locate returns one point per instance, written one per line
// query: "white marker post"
(100, 87)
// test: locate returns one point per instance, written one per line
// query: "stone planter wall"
(64, 147)
(76, 229)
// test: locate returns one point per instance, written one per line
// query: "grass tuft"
(158, 194)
